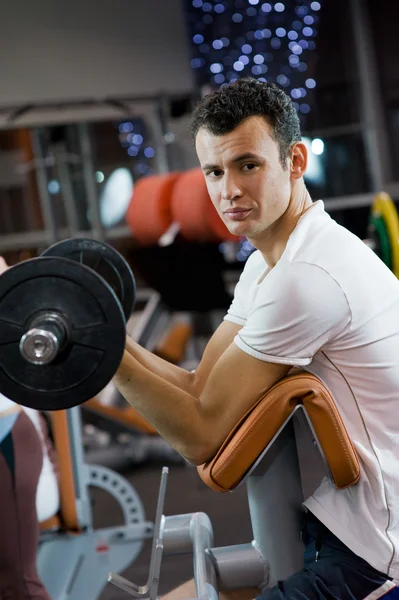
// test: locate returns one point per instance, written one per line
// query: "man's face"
(246, 181)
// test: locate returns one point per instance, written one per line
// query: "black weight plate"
(104, 260)
(97, 333)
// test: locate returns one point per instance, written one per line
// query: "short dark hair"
(223, 110)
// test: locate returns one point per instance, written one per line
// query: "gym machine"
(295, 424)
(62, 333)
(74, 557)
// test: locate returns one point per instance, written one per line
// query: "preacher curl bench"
(62, 336)
(297, 417)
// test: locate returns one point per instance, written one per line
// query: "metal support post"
(374, 128)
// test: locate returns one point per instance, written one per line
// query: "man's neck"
(275, 239)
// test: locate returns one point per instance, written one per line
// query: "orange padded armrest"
(127, 416)
(261, 423)
(62, 445)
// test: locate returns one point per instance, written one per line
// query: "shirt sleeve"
(238, 311)
(298, 309)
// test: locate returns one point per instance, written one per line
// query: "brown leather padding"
(259, 425)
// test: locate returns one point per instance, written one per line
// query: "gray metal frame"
(97, 230)
(276, 492)
(76, 566)
(374, 128)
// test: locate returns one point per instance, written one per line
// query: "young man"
(313, 296)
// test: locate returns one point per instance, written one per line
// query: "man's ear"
(298, 160)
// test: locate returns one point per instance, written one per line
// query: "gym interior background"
(94, 106)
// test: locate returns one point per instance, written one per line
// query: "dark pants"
(21, 458)
(338, 573)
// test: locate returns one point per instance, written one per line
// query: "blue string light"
(133, 137)
(272, 41)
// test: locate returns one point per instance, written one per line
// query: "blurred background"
(95, 100)
(96, 96)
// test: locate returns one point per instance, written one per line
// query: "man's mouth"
(237, 214)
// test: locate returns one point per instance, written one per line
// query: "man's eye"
(249, 166)
(215, 173)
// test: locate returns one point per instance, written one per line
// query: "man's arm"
(196, 424)
(192, 383)
(299, 309)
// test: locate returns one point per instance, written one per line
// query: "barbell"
(63, 324)
(63, 316)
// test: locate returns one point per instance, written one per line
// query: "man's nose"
(230, 188)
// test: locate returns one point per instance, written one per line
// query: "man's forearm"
(173, 412)
(172, 373)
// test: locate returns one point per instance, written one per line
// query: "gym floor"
(186, 493)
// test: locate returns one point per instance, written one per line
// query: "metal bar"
(241, 566)
(157, 126)
(7, 215)
(193, 533)
(45, 200)
(60, 153)
(150, 589)
(331, 132)
(157, 542)
(347, 202)
(275, 504)
(90, 184)
(20, 241)
(90, 110)
(38, 239)
(80, 469)
(176, 534)
(204, 569)
(376, 139)
(28, 209)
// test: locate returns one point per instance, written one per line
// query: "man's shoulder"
(255, 262)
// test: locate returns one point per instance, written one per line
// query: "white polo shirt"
(331, 307)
